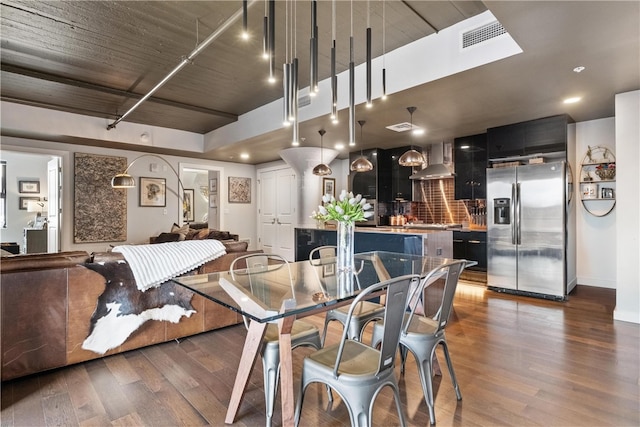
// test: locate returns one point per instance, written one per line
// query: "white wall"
(142, 222)
(595, 236)
(628, 224)
(21, 167)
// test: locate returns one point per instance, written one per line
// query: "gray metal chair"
(254, 268)
(356, 371)
(422, 334)
(363, 314)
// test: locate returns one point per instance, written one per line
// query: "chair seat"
(300, 331)
(365, 308)
(357, 359)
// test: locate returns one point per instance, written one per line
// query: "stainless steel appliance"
(531, 230)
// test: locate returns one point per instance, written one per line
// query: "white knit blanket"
(152, 265)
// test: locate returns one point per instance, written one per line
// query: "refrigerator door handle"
(518, 214)
(512, 209)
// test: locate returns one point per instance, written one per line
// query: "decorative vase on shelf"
(344, 255)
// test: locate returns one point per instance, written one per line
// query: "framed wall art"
(153, 192)
(329, 186)
(213, 200)
(239, 190)
(213, 186)
(188, 208)
(24, 202)
(25, 187)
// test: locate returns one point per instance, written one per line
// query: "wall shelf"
(597, 181)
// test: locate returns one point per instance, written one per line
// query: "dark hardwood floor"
(520, 361)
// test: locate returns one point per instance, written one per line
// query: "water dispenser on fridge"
(502, 211)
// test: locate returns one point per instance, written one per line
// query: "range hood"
(436, 169)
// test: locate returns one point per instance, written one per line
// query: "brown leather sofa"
(47, 302)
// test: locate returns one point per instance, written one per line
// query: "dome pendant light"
(361, 164)
(411, 157)
(322, 169)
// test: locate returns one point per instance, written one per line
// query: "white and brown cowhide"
(122, 308)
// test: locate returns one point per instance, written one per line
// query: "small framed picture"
(329, 186)
(24, 202)
(213, 186)
(153, 192)
(29, 187)
(213, 200)
(188, 213)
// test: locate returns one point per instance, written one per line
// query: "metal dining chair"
(356, 371)
(421, 334)
(255, 268)
(365, 312)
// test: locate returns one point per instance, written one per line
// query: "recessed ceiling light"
(418, 131)
(244, 156)
(572, 100)
(339, 146)
(579, 69)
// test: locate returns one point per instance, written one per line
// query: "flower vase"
(344, 260)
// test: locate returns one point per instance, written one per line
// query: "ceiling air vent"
(400, 127)
(482, 34)
(303, 101)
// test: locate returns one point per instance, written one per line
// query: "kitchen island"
(437, 243)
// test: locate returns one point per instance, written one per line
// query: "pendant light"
(411, 157)
(322, 169)
(361, 164)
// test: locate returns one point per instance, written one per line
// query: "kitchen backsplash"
(437, 206)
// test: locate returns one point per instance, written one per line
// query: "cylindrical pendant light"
(368, 57)
(384, 41)
(411, 157)
(322, 169)
(352, 98)
(313, 49)
(265, 32)
(245, 32)
(334, 78)
(361, 164)
(272, 41)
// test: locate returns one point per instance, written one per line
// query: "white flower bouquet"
(347, 208)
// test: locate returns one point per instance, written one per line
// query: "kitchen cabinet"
(543, 135)
(393, 179)
(388, 181)
(470, 159)
(471, 245)
(365, 183)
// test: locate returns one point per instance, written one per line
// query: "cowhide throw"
(122, 308)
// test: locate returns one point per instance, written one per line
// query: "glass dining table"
(293, 291)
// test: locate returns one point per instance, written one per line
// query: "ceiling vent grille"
(400, 127)
(303, 101)
(482, 34)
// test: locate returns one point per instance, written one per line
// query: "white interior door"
(53, 197)
(277, 212)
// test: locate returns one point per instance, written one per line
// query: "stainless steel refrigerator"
(531, 230)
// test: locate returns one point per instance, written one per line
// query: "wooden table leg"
(250, 351)
(286, 371)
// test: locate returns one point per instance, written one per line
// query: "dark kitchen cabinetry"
(544, 135)
(394, 179)
(471, 245)
(365, 183)
(471, 167)
(387, 181)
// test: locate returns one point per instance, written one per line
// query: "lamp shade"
(411, 158)
(322, 170)
(361, 164)
(123, 180)
(38, 206)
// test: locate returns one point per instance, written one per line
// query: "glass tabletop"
(288, 289)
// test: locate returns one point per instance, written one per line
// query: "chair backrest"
(254, 270)
(323, 255)
(396, 293)
(450, 272)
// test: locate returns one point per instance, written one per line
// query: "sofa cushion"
(168, 237)
(233, 246)
(200, 234)
(181, 230)
(219, 235)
